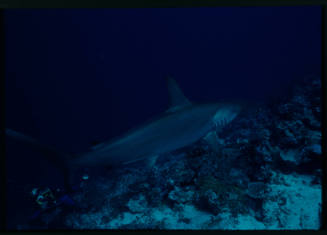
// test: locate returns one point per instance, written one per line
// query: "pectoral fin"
(151, 161)
(213, 141)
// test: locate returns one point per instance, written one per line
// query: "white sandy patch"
(293, 203)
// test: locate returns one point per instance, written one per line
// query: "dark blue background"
(77, 75)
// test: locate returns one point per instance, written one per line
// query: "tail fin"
(58, 159)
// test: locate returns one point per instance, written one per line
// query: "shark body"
(181, 125)
(168, 133)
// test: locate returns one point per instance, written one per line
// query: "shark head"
(225, 113)
(221, 114)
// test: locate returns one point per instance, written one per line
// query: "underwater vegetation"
(262, 171)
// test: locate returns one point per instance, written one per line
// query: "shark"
(181, 125)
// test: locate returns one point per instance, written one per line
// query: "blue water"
(74, 76)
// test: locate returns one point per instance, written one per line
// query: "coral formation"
(263, 172)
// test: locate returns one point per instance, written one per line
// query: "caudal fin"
(55, 157)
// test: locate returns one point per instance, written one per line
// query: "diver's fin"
(177, 98)
(57, 158)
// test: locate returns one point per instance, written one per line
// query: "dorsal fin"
(177, 98)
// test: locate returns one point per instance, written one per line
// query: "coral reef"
(260, 172)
